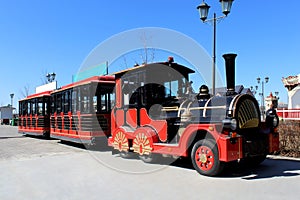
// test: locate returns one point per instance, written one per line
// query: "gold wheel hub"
(203, 158)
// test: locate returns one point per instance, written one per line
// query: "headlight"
(233, 124)
(230, 124)
(275, 121)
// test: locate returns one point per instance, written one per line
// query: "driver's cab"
(157, 87)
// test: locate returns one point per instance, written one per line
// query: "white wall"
(6, 113)
(295, 99)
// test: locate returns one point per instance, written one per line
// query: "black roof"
(180, 68)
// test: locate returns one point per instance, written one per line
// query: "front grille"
(248, 116)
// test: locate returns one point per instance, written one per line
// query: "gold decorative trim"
(120, 142)
(141, 144)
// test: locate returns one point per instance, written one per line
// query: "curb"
(274, 157)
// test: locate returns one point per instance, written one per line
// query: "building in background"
(6, 114)
(292, 83)
(271, 100)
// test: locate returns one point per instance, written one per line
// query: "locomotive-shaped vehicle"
(157, 113)
(153, 112)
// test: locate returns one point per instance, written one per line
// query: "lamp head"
(226, 6)
(203, 11)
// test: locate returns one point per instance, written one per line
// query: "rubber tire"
(217, 167)
(152, 158)
(46, 135)
(126, 155)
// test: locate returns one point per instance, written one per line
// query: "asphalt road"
(33, 168)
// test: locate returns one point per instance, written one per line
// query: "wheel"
(259, 159)
(143, 144)
(205, 158)
(151, 158)
(46, 134)
(126, 154)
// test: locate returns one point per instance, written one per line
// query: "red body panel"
(227, 151)
(131, 117)
(34, 125)
(118, 94)
(273, 142)
(73, 131)
(230, 149)
(160, 126)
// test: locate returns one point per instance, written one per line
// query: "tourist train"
(151, 111)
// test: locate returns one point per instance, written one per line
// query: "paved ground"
(32, 168)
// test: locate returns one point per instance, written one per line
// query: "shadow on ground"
(270, 168)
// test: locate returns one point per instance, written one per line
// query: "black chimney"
(230, 72)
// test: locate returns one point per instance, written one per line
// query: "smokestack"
(230, 72)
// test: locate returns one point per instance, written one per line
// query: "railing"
(289, 114)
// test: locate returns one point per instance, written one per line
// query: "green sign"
(97, 70)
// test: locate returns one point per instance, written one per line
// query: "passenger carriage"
(34, 115)
(80, 112)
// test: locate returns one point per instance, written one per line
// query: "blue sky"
(56, 36)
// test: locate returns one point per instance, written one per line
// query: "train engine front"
(237, 116)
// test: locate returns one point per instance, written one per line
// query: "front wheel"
(205, 158)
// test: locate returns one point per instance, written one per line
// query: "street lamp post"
(262, 94)
(11, 98)
(254, 90)
(276, 99)
(50, 77)
(203, 11)
(277, 95)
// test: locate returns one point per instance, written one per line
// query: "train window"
(84, 99)
(131, 89)
(67, 101)
(106, 98)
(58, 103)
(33, 107)
(46, 106)
(24, 107)
(112, 100)
(40, 106)
(95, 104)
(171, 88)
(104, 103)
(53, 103)
(28, 107)
(85, 104)
(74, 97)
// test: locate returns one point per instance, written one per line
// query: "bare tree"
(147, 54)
(44, 78)
(25, 91)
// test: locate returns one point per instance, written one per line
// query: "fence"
(289, 114)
